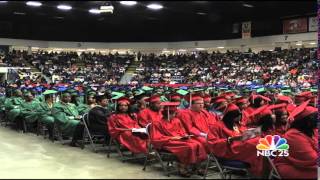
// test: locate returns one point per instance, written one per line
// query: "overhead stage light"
(94, 11)
(128, 3)
(107, 8)
(248, 5)
(34, 3)
(64, 7)
(155, 6)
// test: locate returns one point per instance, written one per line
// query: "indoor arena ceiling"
(176, 21)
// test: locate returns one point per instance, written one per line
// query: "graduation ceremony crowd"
(189, 122)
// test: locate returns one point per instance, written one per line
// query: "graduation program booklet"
(139, 130)
(251, 133)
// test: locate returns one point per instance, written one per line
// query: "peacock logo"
(272, 146)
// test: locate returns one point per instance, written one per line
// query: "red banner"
(295, 25)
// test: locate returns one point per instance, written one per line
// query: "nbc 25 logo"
(272, 146)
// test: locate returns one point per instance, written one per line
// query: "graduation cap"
(153, 98)
(207, 98)
(241, 99)
(231, 107)
(182, 92)
(50, 91)
(286, 91)
(123, 100)
(286, 99)
(302, 111)
(261, 90)
(170, 107)
(146, 88)
(314, 90)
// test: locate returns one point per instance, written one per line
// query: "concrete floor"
(31, 156)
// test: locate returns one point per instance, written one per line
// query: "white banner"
(246, 30)
(313, 24)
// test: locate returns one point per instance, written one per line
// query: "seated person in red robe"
(243, 104)
(151, 114)
(227, 140)
(196, 120)
(256, 102)
(170, 135)
(121, 124)
(303, 145)
(281, 124)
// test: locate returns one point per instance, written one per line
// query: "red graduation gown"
(245, 118)
(245, 151)
(197, 122)
(189, 151)
(302, 159)
(125, 137)
(147, 116)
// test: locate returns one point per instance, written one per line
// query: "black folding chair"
(121, 151)
(90, 136)
(160, 155)
(274, 174)
(226, 166)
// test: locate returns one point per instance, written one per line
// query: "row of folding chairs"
(165, 158)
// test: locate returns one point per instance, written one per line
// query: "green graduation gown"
(64, 114)
(45, 113)
(29, 111)
(13, 107)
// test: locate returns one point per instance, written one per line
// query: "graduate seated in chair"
(29, 109)
(302, 138)
(90, 102)
(98, 115)
(170, 135)
(122, 126)
(12, 106)
(227, 139)
(68, 118)
(45, 111)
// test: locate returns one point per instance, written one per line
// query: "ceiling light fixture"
(64, 7)
(19, 13)
(298, 44)
(34, 3)
(94, 11)
(200, 49)
(248, 5)
(201, 13)
(2, 2)
(155, 6)
(220, 47)
(128, 3)
(182, 50)
(312, 43)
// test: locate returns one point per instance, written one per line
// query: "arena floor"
(28, 156)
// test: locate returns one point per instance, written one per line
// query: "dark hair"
(265, 122)
(99, 98)
(307, 124)
(278, 114)
(256, 102)
(47, 96)
(228, 118)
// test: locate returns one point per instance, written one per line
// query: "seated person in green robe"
(90, 102)
(45, 111)
(12, 106)
(68, 118)
(29, 109)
